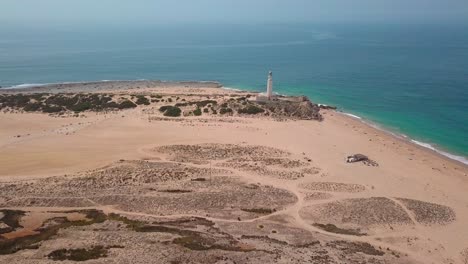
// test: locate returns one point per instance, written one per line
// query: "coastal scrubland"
(145, 172)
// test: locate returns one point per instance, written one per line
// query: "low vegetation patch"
(10, 246)
(11, 218)
(259, 210)
(251, 110)
(170, 110)
(79, 254)
(197, 112)
(142, 100)
(225, 110)
(334, 229)
(176, 191)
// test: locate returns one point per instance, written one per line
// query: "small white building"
(268, 96)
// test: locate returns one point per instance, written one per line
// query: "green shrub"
(197, 112)
(205, 110)
(127, 104)
(224, 110)
(205, 103)
(142, 100)
(169, 100)
(79, 254)
(51, 109)
(32, 107)
(251, 110)
(171, 111)
(164, 108)
(80, 107)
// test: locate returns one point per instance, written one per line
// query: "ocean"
(409, 79)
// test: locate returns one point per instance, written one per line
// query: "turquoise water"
(407, 78)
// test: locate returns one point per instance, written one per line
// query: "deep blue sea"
(409, 79)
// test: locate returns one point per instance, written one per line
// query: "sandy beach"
(221, 188)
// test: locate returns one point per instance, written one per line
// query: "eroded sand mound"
(359, 213)
(333, 187)
(152, 187)
(265, 161)
(429, 213)
(206, 152)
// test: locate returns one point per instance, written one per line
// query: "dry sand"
(309, 164)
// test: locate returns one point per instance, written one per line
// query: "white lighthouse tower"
(270, 85)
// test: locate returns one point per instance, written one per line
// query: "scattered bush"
(205, 110)
(80, 107)
(51, 109)
(171, 111)
(80, 254)
(142, 100)
(32, 107)
(224, 110)
(205, 103)
(251, 110)
(197, 112)
(259, 210)
(127, 104)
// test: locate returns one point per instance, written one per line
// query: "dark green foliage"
(32, 107)
(205, 103)
(251, 110)
(334, 229)
(10, 246)
(259, 210)
(176, 191)
(142, 100)
(170, 110)
(79, 254)
(197, 112)
(62, 100)
(224, 110)
(11, 218)
(164, 108)
(127, 104)
(199, 179)
(80, 107)
(52, 109)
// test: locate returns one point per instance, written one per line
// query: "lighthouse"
(270, 85)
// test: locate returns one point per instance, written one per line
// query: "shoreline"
(422, 145)
(381, 127)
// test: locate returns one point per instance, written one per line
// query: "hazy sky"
(96, 12)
